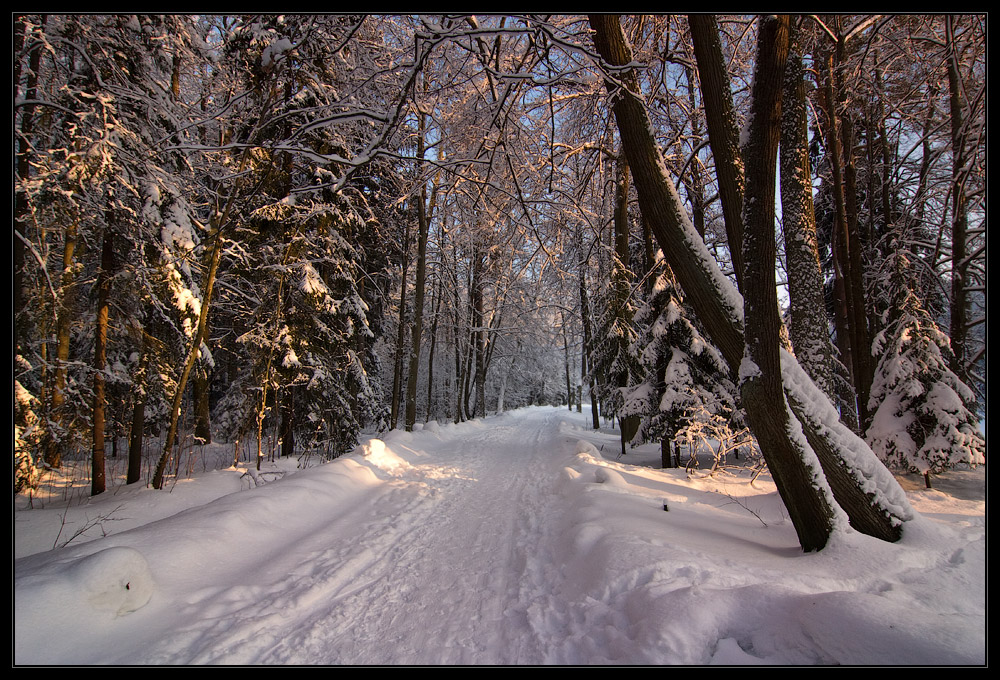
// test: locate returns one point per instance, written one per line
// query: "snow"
(517, 539)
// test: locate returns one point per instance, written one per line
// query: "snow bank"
(719, 578)
(85, 592)
(509, 540)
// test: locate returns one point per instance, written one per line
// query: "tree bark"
(848, 237)
(97, 479)
(194, 351)
(569, 382)
(479, 332)
(203, 422)
(135, 439)
(397, 372)
(809, 326)
(431, 411)
(23, 164)
(288, 422)
(423, 229)
(54, 445)
(588, 337)
(791, 464)
(723, 131)
(861, 485)
(958, 326)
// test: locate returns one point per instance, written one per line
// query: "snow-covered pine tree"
(306, 243)
(684, 379)
(924, 416)
(613, 361)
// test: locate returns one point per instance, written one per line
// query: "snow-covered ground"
(518, 539)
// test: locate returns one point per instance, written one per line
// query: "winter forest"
(282, 232)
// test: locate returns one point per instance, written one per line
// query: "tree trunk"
(397, 371)
(431, 411)
(588, 339)
(861, 484)
(203, 421)
(569, 382)
(97, 481)
(288, 423)
(791, 464)
(54, 445)
(809, 326)
(958, 326)
(723, 131)
(194, 351)
(23, 165)
(847, 238)
(135, 439)
(479, 332)
(423, 228)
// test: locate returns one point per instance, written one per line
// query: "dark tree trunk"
(203, 420)
(809, 326)
(479, 333)
(811, 510)
(958, 326)
(135, 439)
(23, 165)
(848, 251)
(878, 513)
(397, 371)
(97, 485)
(288, 422)
(588, 338)
(423, 229)
(723, 131)
(430, 352)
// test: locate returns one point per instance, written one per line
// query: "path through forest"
(505, 540)
(438, 571)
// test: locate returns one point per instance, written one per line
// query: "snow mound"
(605, 475)
(583, 446)
(117, 580)
(114, 581)
(381, 456)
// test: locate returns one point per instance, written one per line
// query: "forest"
(283, 231)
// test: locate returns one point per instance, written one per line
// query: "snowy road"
(411, 559)
(509, 540)
(436, 571)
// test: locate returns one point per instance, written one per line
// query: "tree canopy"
(299, 228)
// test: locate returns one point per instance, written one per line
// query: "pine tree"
(685, 380)
(924, 415)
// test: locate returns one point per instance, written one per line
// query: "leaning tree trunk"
(723, 131)
(194, 352)
(861, 485)
(789, 459)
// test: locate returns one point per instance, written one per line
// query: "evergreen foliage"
(925, 417)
